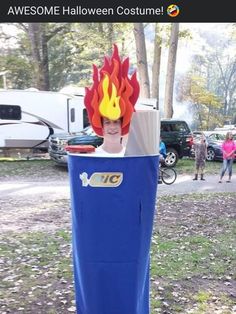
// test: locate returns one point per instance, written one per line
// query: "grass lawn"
(186, 166)
(33, 169)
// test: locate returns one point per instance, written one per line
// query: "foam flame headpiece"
(113, 94)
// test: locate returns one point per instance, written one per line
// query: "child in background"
(200, 148)
(163, 154)
(162, 151)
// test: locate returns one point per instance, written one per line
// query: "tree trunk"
(100, 27)
(141, 59)
(169, 87)
(33, 33)
(110, 38)
(156, 65)
(44, 64)
(39, 51)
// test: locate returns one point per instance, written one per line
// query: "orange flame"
(113, 95)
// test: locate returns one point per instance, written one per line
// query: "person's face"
(202, 138)
(112, 129)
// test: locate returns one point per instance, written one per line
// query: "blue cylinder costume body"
(113, 204)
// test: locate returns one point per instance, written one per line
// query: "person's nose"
(113, 125)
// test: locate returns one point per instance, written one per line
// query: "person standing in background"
(228, 149)
(162, 151)
(200, 148)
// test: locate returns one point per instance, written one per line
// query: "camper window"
(72, 115)
(9, 112)
(85, 118)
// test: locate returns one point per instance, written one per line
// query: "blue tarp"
(113, 203)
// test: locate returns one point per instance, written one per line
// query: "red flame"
(125, 89)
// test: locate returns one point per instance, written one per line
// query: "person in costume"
(110, 102)
(112, 143)
(113, 199)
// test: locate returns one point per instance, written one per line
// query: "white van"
(28, 118)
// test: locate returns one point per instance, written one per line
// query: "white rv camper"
(28, 118)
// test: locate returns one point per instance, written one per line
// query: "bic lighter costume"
(113, 202)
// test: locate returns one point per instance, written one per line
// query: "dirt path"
(54, 189)
(45, 205)
(184, 185)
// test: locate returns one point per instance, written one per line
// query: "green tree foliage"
(19, 71)
(216, 64)
(205, 104)
(64, 52)
(91, 42)
(71, 58)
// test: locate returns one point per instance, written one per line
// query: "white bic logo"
(102, 179)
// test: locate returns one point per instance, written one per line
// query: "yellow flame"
(109, 106)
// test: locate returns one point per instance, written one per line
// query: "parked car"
(175, 133)
(214, 141)
(178, 138)
(58, 142)
(197, 134)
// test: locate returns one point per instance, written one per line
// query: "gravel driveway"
(52, 189)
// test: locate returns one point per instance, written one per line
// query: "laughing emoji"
(173, 10)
